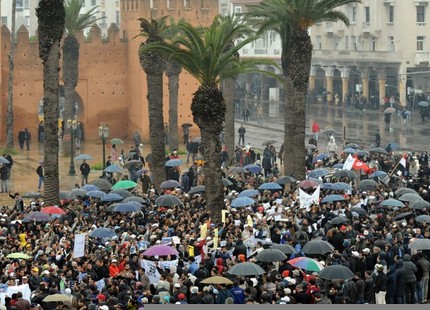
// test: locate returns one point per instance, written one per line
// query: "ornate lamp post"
(104, 135)
(72, 124)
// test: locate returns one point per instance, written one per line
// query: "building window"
(420, 43)
(170, 4)
(93, 2)
(204, 4)
(391, 14)
(354, 42)
(187, 4)
(26, 4)
(367, 14)
(421, 18)
(318, 44)
(391, 46)
(4, 20)
(117, 16)
(354, 15)
(237, 10)
(346, 42)
(19, 5)
(373, 44)
(27, 21)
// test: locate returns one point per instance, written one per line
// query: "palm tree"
(9, 119)
(74, 24)
(208, 55)
(51, 16)
(291, 19)
(154, 65)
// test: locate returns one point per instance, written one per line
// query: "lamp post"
(104, 135)
(72, 124)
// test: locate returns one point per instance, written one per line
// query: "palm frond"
(75, 21)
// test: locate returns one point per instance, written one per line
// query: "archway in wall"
(79, 106)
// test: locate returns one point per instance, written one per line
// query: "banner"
(151, 269)
(79, 247)
(307, 200)
(8, 291)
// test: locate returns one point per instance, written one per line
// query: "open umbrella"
(423, 104)
(321, 156)
(102, 232)
(3, 160)
(317, 247)
(96, 194)
(402, 216)
(394, 146)
(135, 198)
(57, 298)
(339, 220)
(349, 150)
(53, 210)
(141, 171)
(310, 146)
(217, 280)
(343, 186)
(133, 162)
(378, 174)
(170, 184)
(253, 168)
(226, 182)
(308, 184)
(319, 172)
(389, 110)
(268, 142)
(338, 166)
(331, 198)
(102, 184)
(32, 195)
(116, 141)
(111, 197)
(37, 217)
(173, 162)
(76, 193)
(246, 269)
(64, 195)
(331, 186)
(420, 244)
(242, 202)
(393, 203)
(306, 263)
(367, 185)
(420, 205)
(271, 255)
(197, 190)
(160, 250)
(113, 169)
(270, 186)
(249, 193)
(352, 146)
(124, 184)
(18, 255)
(237, 170)
(379, 150)
(83, 157)
(126, 207)
(284, 248)
(285, 180)
(358, 210)
(404, 190)
(423, 218)
(362, 153)
(344, 174)
(90, 187)
(411, 198)
(122, 192)
(336, 272)
(168, 201)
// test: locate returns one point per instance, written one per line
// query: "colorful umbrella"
(53, 210)
(306, 263)
(160, 250)
(124, 184)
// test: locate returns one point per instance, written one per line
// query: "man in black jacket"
(85, 171)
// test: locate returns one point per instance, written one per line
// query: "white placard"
(79, 247)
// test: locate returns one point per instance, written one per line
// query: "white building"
(26, 13)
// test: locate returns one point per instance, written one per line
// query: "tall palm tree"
(9, 118)
(154, 65)
(74, 24)
(51, 16)
(291, 19)
(208, 55)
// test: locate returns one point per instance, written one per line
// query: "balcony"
(271, 52)
(352, 56)
(389, 2)
(365, 29)
(329, 29)
(422, 58)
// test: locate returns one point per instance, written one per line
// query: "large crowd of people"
(38, 258)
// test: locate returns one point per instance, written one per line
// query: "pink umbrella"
(160, 250)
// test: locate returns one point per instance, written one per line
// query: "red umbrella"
(53, 210)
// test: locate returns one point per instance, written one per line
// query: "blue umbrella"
(96, 193)
(173, 163)
(131, 206)
(37, 217)
(112, 197)
(141, 171)
(338, 166)
(90, 187)
(349, 150)
(394, 146)
(319, 172)
(343, 186)
(320, 157)
(362, 153)
(329, 186)
(102, 233)
(377, 174)
(331, 198)
(394, 203)
(3, 160)
(270, 186)
(242, 202)
(113, 169)
(170, 184)
(253, 168)
(249, 193)
(83, 157)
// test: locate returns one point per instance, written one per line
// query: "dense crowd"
(372, 240)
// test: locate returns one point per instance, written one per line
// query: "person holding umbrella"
(85, 171)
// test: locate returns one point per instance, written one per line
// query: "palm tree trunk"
(9, 118)
(173, 70)
(51, 16)
(156, 127)
(229, 94)
(209, 110)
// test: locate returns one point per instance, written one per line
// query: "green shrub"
(7, 150)
(97, 166)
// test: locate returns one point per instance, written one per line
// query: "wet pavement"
(359, 127)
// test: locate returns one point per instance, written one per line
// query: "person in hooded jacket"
(411, 279)
(240, 248)
(390, 296)
(400, 281)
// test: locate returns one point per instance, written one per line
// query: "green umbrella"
(18, 255)
(116, 141)
(124, 184)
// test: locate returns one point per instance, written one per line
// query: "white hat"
(114, 261)
(104, 307)
(355, 253)
(194, 290)
(68, 291)
(177, 285)
(366, 250)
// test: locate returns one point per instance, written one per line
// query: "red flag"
(358, 165)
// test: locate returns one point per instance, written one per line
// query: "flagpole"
(395, 167)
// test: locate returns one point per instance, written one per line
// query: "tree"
(51, 17)
(208, 55)
(75, 23)
(291, 19)
(154, 65)
(9, 118)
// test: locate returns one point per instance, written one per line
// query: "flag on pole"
(402, 165)
(349, 162)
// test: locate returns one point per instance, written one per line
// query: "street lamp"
(104, 135)
(72, 124)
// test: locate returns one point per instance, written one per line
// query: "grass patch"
(9, 150)
(97, 166)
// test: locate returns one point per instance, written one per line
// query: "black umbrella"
(423, 219)
(187, 125)
(271, 255)
(168, 201)
(137, 199)
(246, 269)
(402, 216)
(122, 192)
(32, 195)
(268, 142)
(76, 193)
(358, 210)
(411, 198)
(130, 163)
(284, 248)
(404, 190)
(197, 190)
(237, 170)
(339, 220)
(285, 180)
(103, 184)
(317, 247)
(226, 182)
(420, 205)
(37, 217)
(367, 184)
(344, 174)
(336, 272)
